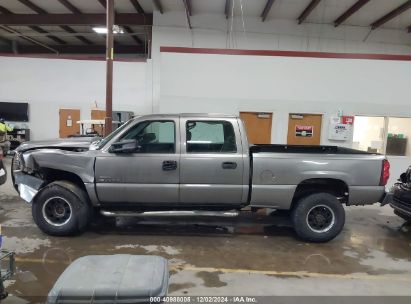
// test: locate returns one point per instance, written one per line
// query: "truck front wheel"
(318, 217)
(61, 209)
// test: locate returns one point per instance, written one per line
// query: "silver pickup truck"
(193, 164)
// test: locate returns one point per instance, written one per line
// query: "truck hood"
(81, 143)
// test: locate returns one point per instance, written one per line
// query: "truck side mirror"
(124, 146)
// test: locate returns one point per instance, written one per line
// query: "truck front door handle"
(169, 165)
(229, 165)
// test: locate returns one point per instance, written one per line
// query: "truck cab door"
(212, 163)
(150, 174)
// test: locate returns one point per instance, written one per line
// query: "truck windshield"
(102, 142)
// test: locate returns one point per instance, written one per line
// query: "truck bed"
(277, 170)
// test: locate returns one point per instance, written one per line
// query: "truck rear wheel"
(61, 209)
(318, 217)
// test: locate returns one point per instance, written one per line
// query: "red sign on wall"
(304, 131)
(347, 120)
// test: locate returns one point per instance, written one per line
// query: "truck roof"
(202, 115)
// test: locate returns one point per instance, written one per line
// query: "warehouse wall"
(50, 84)
(215, 31)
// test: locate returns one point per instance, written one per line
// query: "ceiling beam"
(267, 9)
(81, 49)
(43, 31)
(69, 29)
(66, 28)
(103, 3)
(33, 7)
(28, 38)
(159, 6)
(391, 15)
(37, 29)
(187, 5)
(67, 4)
(307, 11)
(135, 38)
(353, 9)
(5, 11)
(227, 8)
(74, 19)
(139, 9)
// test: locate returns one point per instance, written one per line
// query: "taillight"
(385, 172)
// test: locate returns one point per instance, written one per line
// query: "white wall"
(50, 84)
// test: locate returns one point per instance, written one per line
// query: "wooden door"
(258, 126)
(304, 129)
(68, 122)
(98, 114)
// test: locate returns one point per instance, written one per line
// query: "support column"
(109, 67)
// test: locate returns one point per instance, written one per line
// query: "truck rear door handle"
(229, 165)
(169, 165)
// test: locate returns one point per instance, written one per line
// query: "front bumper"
(28, 185)
(401, 208)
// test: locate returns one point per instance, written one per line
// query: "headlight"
(18, 162)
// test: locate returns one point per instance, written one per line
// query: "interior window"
(369, 134)
(210, 137)
(153, 136)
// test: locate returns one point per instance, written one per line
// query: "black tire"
(318, 217)
(61, 209)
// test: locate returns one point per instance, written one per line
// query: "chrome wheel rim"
(57, 211)
(320, 218)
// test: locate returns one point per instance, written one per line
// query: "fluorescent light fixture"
(103, 30)
(100, 30)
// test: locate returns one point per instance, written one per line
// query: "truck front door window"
(210, 137)
(153, 136)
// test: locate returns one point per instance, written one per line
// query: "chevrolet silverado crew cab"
(193, 164)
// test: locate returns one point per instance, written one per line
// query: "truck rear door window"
(153, 136)
(210, 137)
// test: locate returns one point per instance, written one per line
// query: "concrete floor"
(253, 255)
